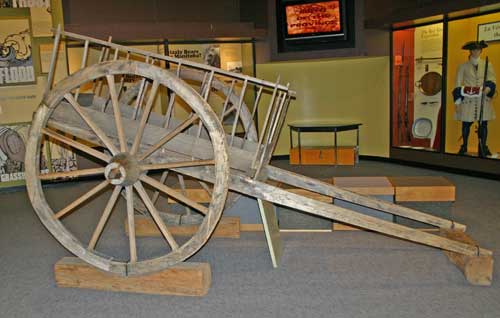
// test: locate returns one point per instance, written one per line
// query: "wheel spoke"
(131, 223)
(104, 218)
(163, 178)
(81, 199)
(71, 174)
(174, 194)
(156, 216)
(117, 113)
(169, 136)
(98, 131)
(172, 165)
(77, 145)
(144, 118)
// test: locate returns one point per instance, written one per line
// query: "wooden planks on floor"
(228, 227)
(423, 188)
(184, 279)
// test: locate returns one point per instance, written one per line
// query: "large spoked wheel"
(127, 150)
(223, 100)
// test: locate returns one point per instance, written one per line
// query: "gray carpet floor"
(340, 274)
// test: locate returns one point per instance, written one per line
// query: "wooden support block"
(251, 227)
(184, 279)
(478, 270)
(228, 227)
(365, 185)
(424, 188)
(323, 156)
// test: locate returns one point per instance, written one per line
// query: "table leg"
(335, 148)
(300, 149)
(357, 146)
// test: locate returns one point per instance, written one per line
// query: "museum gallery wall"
(25, 37)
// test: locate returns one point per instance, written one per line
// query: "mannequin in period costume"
(468, 90)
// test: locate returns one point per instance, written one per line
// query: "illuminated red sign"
(319, 17)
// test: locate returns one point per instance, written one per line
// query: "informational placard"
(13, 138)
(16, 60)
(311, 18)
(488, 32)
(30, 3)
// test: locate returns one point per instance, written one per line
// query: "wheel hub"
(123, 170)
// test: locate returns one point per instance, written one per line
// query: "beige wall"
(341, 90)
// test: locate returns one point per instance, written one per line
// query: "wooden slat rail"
(174, 60)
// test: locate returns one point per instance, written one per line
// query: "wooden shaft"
(272, 127)
(104, 217)
(156, 194)
(206, 93)
(238, 110)
(255, 106)
(117, 113)
(174, 194)
(171, 102)
(103, 58)
(97, 130)
(180, 177)
(122, 79)
(274, 140)
(320, 187)
(262, 133)
(171, 165)
(226, 102)
(53, 59)
(177, 61)
(144, 118)
(273, 135)
(169, 136)
(131, 223)
(77, 145)
(81, 199)
(245, 185)
(140, 94)
(82, 65)
(71, 174)
(156, 216)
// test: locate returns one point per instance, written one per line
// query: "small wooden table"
(322, 126)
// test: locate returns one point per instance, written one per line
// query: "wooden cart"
(107, 111)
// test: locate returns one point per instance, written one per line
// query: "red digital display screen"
(313, 18)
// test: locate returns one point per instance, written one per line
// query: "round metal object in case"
(422, 128)
(430, 83)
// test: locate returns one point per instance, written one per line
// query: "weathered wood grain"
(478, 269)
(183, 279)
(228, 227)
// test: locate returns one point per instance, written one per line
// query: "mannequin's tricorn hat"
(474, 45)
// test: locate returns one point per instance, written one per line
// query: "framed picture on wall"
(489, 32)
(16, 58)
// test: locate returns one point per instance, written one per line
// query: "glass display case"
(417, 70)
(438, 93)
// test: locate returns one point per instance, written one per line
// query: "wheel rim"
(122, 171)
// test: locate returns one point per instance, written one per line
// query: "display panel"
(312, 20)
(462, 114)
(417, 87)
(314, 25)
